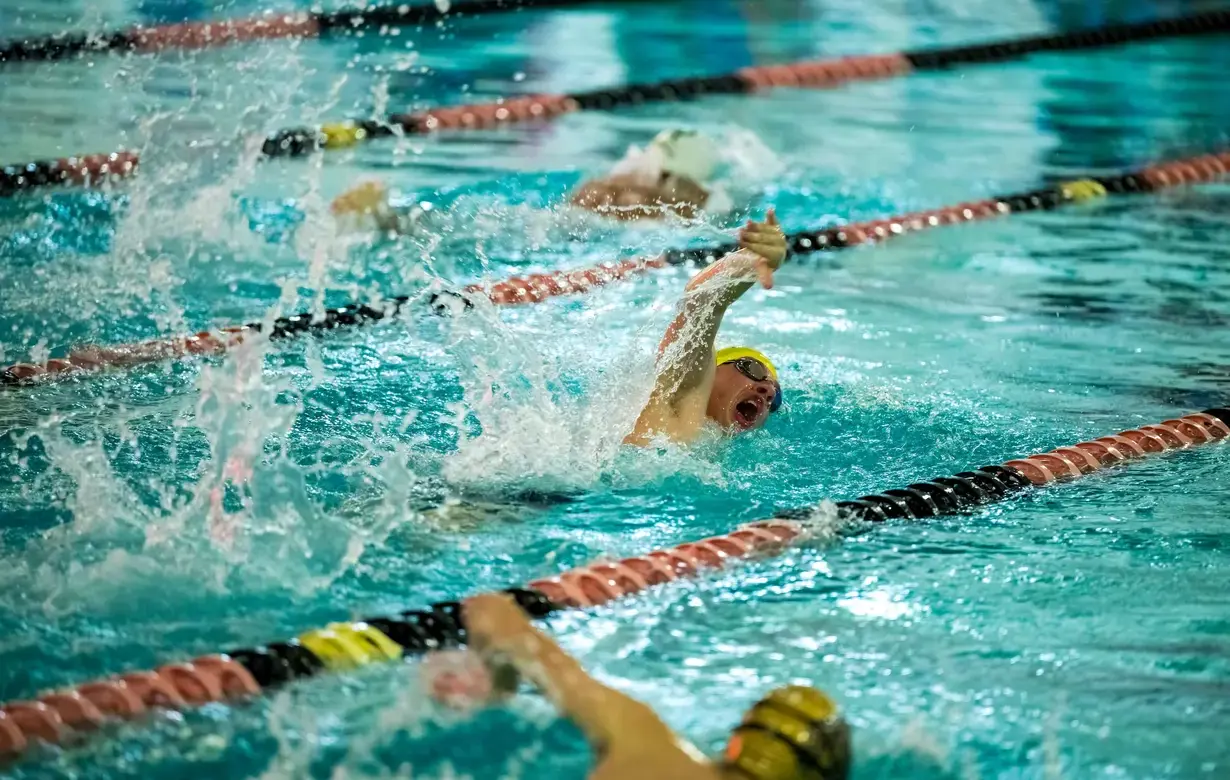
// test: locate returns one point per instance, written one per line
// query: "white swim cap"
(642, 165)
(687, 153)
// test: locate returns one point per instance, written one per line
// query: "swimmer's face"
(739, 403)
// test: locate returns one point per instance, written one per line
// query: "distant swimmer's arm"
(676, 407)
(368, 201)
(501, 632)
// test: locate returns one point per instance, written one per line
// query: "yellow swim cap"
(794, 733)
(731, 354)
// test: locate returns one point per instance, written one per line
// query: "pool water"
(1081, 630)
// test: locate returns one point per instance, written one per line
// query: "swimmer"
(737, 387)
(793, 733)
(672, 175)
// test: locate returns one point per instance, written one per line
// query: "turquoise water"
(1080, 631)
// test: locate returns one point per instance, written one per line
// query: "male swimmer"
(737, 387)
(794, 733)
(672, 175)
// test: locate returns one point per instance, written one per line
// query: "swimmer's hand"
(762, 250)
(493, 621)
(460, 680)
(501, 633)
(367, 198)
(767, 241)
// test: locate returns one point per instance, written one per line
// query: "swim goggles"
(758, 372)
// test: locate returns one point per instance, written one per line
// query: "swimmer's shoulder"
(680, 420)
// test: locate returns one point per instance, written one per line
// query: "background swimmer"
(674, 175)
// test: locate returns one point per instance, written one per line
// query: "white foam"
(554, 411)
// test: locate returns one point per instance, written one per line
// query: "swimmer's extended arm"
(501, 632)
(677, 404)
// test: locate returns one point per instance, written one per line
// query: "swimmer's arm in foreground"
(679, 401)
(630, 740)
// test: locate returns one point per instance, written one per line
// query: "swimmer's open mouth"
(746, 413)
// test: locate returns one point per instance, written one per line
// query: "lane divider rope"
(540, 287)
(818, 74)
(301, 141)
(1194, 170)
(60, 715)
(187, 36)
(88, 170)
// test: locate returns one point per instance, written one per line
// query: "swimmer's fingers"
(754, 234)
(768, 244)
(766, 229)
(766, 248)
(769, 250)
(775, 241)
(761, 232)
(362, 199)
(766, 240)
(770, 217)
(764, 271)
